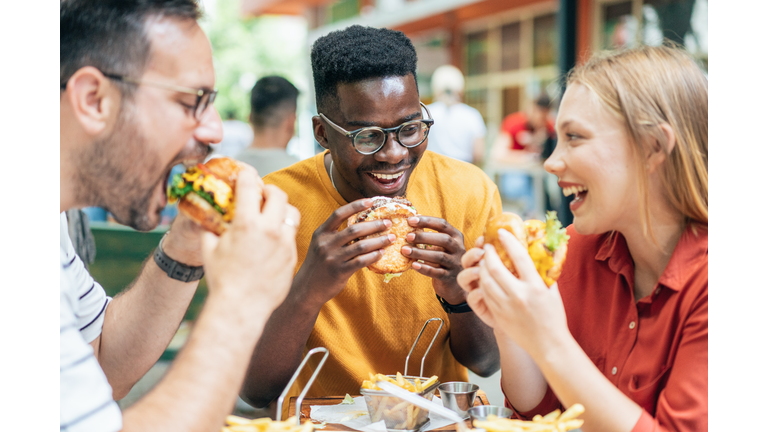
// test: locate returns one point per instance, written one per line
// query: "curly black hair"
(358, 53)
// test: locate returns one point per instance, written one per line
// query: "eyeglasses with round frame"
(205, 97)
(374, 137)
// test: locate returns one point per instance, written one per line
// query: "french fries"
(552, 422)
(396, 413)
(240, 424)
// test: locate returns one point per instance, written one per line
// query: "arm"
(331, 260)
(249, 269)
(153, 305)
(472, 341)
(532, 315)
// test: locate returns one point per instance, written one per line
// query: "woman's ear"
(658, 151)
(319, 130)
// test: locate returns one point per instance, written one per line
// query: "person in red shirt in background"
(522, 134)
(624, 331)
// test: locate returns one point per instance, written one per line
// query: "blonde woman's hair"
(647, 87)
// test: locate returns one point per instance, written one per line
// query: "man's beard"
(119, 173)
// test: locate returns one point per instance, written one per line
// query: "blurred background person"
(273, 118)
(237, 136)
(459, 130)
(524, 134)
(522, 139)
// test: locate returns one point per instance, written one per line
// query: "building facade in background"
(507, 49)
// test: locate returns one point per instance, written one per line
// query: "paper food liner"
(356, 416)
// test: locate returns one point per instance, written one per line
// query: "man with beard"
(365, 79)
(136, 91)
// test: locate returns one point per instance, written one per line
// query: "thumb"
(209, 242)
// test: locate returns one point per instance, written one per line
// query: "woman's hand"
(522, 308)
(469, 281)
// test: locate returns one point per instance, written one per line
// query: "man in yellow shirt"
(365, 81)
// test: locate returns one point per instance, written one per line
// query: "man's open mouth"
(386, 179)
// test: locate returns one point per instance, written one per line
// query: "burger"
(205, 193)
(397, 210)
(547, 242)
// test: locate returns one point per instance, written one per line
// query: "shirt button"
(631, 325)
(614, 370)
(658, 290)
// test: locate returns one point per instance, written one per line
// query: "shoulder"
(451, 174)
(305, 170)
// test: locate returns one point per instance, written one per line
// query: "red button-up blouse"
(654, 350)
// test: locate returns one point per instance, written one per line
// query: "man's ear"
(93, 100)
(318, 127)
(659, 151)
(290, 123)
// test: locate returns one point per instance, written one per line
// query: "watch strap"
(175, 269)
(452, 309)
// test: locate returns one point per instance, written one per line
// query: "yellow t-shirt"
(371, 325)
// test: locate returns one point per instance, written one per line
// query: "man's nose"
(209, 130)
(392, 152)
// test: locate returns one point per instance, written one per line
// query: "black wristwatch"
(175, 269)
(452, 309)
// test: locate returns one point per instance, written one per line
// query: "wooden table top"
(480, 399)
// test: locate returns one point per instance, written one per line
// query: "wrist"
(453, 295)
(185, 251)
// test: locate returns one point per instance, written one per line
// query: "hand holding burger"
(547, 242)
(397, 210)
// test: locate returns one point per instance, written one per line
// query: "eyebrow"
(407, 118)
(564, 124)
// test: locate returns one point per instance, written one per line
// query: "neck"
(270, 138)
(651, 258)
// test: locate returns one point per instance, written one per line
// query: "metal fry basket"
(311, 380)
(399, 415)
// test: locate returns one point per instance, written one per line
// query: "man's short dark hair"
(358, 53)
(272, 97)
(110, 35)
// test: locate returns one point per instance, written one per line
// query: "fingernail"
(410, 237)
(406, 250)
(387, 223)
(413, 220)
(416, 265)
(392, 237)
(482, 252)
(368, 202)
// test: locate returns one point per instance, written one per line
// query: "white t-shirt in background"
(86, 397)
(455, 130)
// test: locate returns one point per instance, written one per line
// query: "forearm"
(280, 349)
(521, 379)
(139, 324)
(201, 387)
(575, 379)
(473, 344)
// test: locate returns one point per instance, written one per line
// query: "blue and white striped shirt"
(86, 396)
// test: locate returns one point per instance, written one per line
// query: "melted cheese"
(222, 193)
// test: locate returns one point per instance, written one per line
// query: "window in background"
(477, 53)
(478, 99)
(545, 40)
(511, 101)
(510, 46)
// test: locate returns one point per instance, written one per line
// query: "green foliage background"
(247, 49)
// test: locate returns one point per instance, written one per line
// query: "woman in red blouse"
(624, 331)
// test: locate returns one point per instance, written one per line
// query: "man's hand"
(253, 261)
(332, 258)
(441, 259)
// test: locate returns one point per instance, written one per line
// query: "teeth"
(568, 191)
(388, 176)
